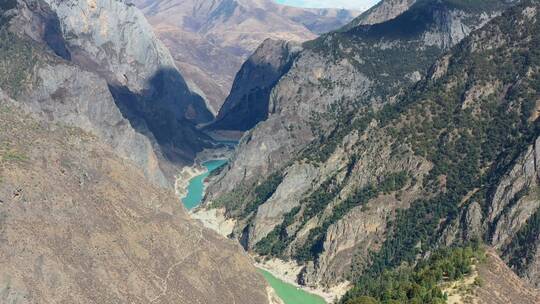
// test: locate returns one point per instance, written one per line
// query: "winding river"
(289, 293)
(195, 189)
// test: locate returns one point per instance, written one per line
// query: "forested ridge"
(414, 181)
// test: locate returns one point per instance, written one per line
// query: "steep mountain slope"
(340, 72)
(210, 40)
(247, 104)
(78, 224)
(451, 160)
(97, 65)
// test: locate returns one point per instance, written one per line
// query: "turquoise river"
(289, 293)
(195, 189)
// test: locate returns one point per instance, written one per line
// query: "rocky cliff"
(210, 40)
(97, 65)
(248, 102)
(444, 161)
(78, 224)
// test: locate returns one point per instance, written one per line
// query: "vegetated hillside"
(502, 206)
(333, 79)
(339, 73)
(452, 275)
(454, 159)
(97, 65)
(210, 39)
(78, 224)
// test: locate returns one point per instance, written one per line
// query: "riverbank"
(214, 219)
(197, 185)
(183, 179)
(285, 271)
(288, 272)
(185, 176)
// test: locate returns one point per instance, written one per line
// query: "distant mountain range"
(210, 39)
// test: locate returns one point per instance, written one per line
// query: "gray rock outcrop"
(515, 198)
(382, 11)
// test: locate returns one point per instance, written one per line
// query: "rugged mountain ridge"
(449, 160)
(381, 12)
(107, 49)
(210, 40)
(341, 71)
(490, 194)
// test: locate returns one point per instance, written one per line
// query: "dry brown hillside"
(492, 283)
(81, 225)
(501, 285)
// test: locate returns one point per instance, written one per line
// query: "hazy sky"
(352, 4)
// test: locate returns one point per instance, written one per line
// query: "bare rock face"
(97, 65)
(514, 216)
(516, 197)
(82, 99)
(115, 38)
(511, 223)
(98, 31)
(210, 40)
(297, 181)
(358, 232)
(62, 92)
(361, 230)
(473, 222)
(80, 225)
